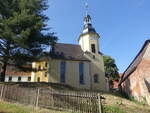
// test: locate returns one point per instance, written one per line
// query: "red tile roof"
(13, 71)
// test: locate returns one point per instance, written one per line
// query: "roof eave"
(83, 34)
(70, 59)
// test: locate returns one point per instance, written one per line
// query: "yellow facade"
(72, 73)
(41, 73)
(87, 39)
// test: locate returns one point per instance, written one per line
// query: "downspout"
(49, 69)
(91, 87)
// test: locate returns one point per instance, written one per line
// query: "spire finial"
(86, 7)
(87, 18)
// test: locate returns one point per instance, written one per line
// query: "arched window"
(93, 48)
(45, 74)
(39, 67)
(81, 73)
(93, 56)
(62, 72)
(96, 78)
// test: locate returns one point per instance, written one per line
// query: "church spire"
(87, 21)
(87, 18)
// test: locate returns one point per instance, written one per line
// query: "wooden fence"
(73, 101)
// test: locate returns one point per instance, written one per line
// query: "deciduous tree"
(111, 70)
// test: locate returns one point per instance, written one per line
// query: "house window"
(62, 72)
(81, 73)
(93, 56)
(29, 79)
(39, 68)
(10, 79)
(46, 64)
(93, 48)
(96, 78)
(45, 74)
(38, 79)
(19, 79)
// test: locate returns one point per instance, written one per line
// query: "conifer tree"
(22, 40)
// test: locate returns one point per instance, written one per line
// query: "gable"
(132, 67)
(147, 52)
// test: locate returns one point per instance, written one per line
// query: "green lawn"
(15, 108)
(113, 109)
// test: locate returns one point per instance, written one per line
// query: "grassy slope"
(112, 104)
(15, 108)
(117, 104)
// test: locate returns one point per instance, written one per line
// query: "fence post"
(2, 90)
(99, 103)
(52, 98)
(37, 98)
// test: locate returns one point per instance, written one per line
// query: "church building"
(80, 66)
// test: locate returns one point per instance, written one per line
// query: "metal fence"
(73, 101)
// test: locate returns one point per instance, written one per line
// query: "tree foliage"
(22, 23)
(111, 70)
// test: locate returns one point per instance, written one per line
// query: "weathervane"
(87, 18)
(86, 7)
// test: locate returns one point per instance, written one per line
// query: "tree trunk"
(4, 67)
(5, 62)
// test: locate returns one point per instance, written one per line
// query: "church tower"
(89, 42)
(89, 39)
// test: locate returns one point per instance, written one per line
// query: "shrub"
(142, 102)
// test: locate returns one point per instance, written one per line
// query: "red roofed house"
(114, 85)
(14, 75)
(135, 81)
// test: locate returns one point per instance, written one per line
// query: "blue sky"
(123, 25)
